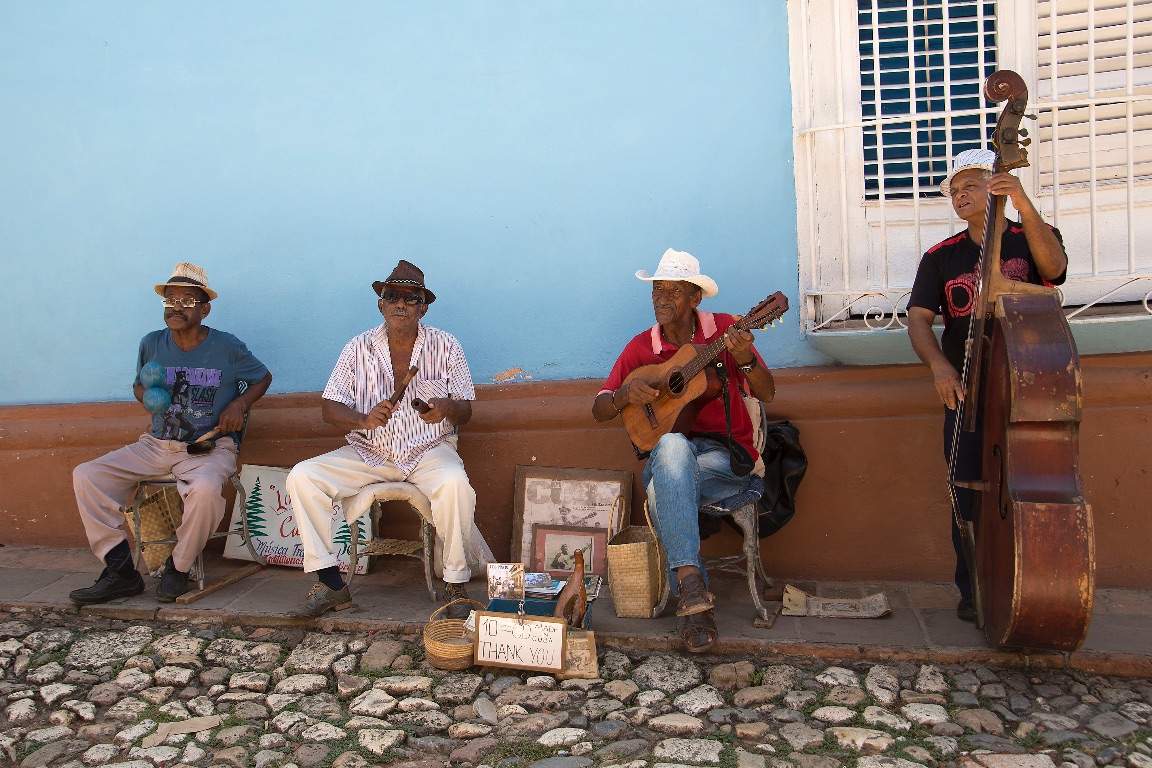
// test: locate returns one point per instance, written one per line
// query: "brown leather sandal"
(699, 632)
(694, 596)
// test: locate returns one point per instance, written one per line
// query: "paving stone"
(931, 680)
(457, 689)
(425, 723)
(800, 736)
(96, 649)
(845, 696)
(562, 737)
(465, 731)
(992, 743)
(980, 721)
(863, 740)
(833, 715)
(242, 654)
(1112, 725)
(758, 694)
(838, 676)
(622, 690)
(698, 751)
(753, 731)
(730, 677)
(671, 674)
(559, 762)
(407, 685)
(316, 653)
(677, 724)
(615, 666)
(813, 761)
(925, 714)
(530, 726)
(698, 700)
(473, 751)
(876, 761)
(374, 702)
(380, 655)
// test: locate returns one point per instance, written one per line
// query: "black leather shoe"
(109, 586)
(172, 584)
(966, 609)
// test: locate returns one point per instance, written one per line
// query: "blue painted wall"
(528, 156)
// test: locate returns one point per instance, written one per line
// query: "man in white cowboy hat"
(392, 442)
(686, 470)
(946, 280)
(212, 380)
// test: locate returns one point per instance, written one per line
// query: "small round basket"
(445, 644)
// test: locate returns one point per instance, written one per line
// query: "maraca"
(156, 398)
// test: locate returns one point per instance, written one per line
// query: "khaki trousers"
(314, 484)
(103, 486)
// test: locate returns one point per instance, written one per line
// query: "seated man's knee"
(82, 474)
(673, 449)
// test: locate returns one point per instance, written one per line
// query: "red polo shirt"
(651, 348)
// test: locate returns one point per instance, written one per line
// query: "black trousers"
(969, 466)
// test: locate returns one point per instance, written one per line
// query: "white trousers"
(103, 485)
(316, 483)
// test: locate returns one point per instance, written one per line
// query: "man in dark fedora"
(212, 380)
(390, 443)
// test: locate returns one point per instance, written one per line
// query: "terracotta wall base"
(873, 506)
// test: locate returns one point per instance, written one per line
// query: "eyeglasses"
(411, 299)
(171, 302)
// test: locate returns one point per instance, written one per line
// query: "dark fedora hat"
(406, 273)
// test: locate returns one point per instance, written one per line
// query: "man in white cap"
(211, 380)
(686, 470)
(392, 441)
(946, 280)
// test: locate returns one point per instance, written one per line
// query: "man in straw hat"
(946, 281)
(390, 442)
(210, 380)
(686, 470)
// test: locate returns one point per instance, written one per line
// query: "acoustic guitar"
(683, 391)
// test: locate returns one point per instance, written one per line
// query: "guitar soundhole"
(676, 382)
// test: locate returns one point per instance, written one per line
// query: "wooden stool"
(421, 550)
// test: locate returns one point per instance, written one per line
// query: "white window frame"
(858, 257)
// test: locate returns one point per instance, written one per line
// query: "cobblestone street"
(82, 690)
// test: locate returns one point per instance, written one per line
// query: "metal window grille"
(922, 57)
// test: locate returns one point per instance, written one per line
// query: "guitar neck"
(709, 353)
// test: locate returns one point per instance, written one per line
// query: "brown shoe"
(694, 596)
(699, 632)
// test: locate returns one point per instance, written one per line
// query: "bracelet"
(613, 400)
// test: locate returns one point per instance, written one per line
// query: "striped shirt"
(363, 378)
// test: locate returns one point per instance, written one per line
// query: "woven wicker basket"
(160, 516)
(442, 639)
(636, 570)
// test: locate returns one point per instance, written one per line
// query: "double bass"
(1030, 546)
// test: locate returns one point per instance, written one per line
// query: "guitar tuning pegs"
(1030, 117)
(1025, 142)
(1023, 131)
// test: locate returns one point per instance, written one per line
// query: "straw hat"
(678, 265)
(981, 159)
(186, 274)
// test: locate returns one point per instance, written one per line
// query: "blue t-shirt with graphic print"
(201, 381)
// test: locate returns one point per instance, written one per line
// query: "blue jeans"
(681, 474)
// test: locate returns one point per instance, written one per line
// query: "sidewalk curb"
(1115, 664)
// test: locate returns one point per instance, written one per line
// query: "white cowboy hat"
(184, 275)
(982, 159)
(678, 265)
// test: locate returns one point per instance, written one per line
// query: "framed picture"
(555, 546)
(561, 496)
(580, 655)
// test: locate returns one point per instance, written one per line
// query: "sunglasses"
(411, 299)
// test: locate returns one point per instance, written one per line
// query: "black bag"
(784, 468)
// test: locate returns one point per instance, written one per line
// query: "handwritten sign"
(507, 640)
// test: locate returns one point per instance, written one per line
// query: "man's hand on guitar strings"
(739, 343)
(636, 392)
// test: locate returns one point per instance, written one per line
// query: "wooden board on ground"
(219, 584)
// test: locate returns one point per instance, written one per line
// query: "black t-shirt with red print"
(947, 277)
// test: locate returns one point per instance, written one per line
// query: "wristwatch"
(748, 366)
